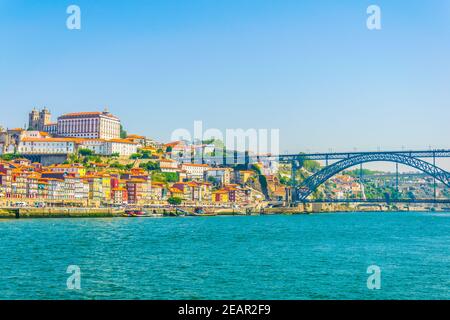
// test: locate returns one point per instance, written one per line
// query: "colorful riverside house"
(2, 190)
(56, 189)
(106, 186)
(243, 195)
(198, 191)
(19, 184)
(232, 190)
(220, 196)
(176, 193)
(32, 186)
(119, 196)
(158, 191)
(42, 189)
(95, 189)
(77, 190)
(184, 191)
(6, 179)
(139, 191)
(205, 191)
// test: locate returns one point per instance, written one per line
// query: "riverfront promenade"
(168, 211)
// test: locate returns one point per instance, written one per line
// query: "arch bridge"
(309, 185)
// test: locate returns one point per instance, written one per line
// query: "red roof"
(86, 114)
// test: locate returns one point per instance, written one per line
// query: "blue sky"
(310, 68)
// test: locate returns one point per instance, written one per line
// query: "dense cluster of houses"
(74, 184)
(345, 187)
(30, 179)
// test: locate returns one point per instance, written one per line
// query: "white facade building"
(220, 175)
(91, 125)
(194, 170)
(51, 128)
(109, 147)
(46, 146)
(121, 146)
(168, 165)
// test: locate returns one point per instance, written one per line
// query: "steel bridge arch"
(313, 182)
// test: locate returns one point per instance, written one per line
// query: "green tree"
(85, 152)
(211, 179)
(284, 180)
(146, 154)
(10, 156)
(175, 201)
(117, 165)
(171, 176)
(123, 133)
(135, 156)
(150, 166)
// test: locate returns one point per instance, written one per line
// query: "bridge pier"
(434, 179)
(396, 177)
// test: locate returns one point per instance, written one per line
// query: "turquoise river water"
(323, 256)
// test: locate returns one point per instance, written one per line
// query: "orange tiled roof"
(220, 191)
(167, 160)
(122, 141)
(195, 165)
(89, 114)
(135, 136)
(173, 144)
(136, 180)
(148, 148)
(50, 140)
(157, 186)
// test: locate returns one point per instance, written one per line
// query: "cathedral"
(38, 120)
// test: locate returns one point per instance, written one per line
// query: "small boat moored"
(134, 213)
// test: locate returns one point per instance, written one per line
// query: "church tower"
(37, 120)
(45, 118)
(33, 120)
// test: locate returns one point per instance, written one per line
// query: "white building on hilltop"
(46, 146)
(102, 147)
(90, 125)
